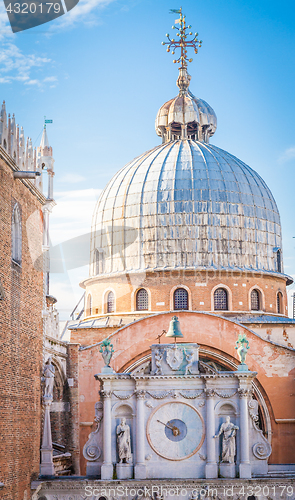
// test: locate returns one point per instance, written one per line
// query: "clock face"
(175, 430)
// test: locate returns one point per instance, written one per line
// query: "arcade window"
(220, 300)
(142, 300)
(180, 299)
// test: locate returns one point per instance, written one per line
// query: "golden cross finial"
(183, 42)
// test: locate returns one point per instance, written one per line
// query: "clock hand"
(173, 428)
(166, 425)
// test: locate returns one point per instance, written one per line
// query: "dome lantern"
(185, 116)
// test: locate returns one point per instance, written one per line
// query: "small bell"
(174, 329)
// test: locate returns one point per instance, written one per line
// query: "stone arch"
(226, 408)
(229, 296)
(173, 290)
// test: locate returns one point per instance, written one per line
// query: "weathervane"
(183, 42)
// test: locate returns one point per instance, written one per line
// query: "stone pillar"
(140, 467)
(107, 466)
(245, 465)
(46, 466)
(211, 469)
(183, 132)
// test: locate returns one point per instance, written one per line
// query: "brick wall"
(200, 286)
(21, 335)
(73, 375)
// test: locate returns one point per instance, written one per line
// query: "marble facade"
(199, 402)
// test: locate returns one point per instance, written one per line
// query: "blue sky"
(101, 74)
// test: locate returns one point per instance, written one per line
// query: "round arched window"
(255, 300)
(279, 302)
(220, 300)
(142, 300)
(110, 302)
(180, 299)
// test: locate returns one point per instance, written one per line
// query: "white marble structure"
(174, 418)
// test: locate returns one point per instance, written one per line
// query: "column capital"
(245, 393)
(140, 394)
(210, 393)
(105, 394)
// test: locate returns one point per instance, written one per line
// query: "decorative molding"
(160, 395)
(190, 394)
(262, 450)
(140, 393)
(245, 393)
(128, 396)
(225, 394)
(210, 393)
(105, 394)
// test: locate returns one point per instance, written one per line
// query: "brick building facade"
(21, 330)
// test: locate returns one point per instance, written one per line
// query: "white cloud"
(15, 65)
(72, 178)
(73, 214)
(289, 154)
(50, 79)
(80, 13)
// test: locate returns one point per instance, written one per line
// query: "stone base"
(93, 469)
(227, 470)
(107, 369)
(124, 471)
(140, 471)
(46, 466)
(211, 471)
(245, 471)
(107, 471)
(243, 368)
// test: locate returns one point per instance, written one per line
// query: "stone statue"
(106, 350)
(189, 356)
(158, 362)
(48, 377)
(242, 346)
(228, 429)
(123, 440)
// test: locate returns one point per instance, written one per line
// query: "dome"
(185, 205)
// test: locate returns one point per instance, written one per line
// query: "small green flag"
(48, 121)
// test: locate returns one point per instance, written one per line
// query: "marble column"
(245, 465)
(107, 465)
(140, 467)
(211, 469)
(46, 466)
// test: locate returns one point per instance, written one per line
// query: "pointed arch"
(16, 235)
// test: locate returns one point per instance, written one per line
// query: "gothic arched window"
(255, 300)
(16, 236)
(142, 300)
(279, 303)
(110, 302)
(220, 300)
(180, 299)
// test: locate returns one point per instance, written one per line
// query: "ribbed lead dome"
(185, 205)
